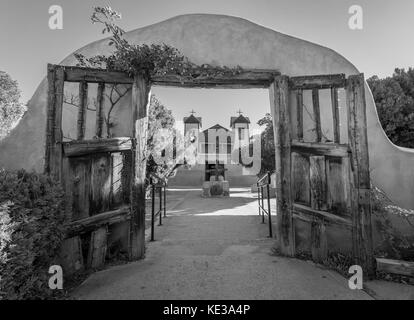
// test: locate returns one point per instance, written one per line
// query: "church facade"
(219, 153)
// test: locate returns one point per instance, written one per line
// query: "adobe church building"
(227, 41)
(219, 158)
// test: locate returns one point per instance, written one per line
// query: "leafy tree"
(268, 144)
(165, 140)
(394, 98)
(11, 110)
(160, 120)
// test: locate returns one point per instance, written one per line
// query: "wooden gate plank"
(317, 114)
(83, 104)
(100, 110)
(299, 113)
(335, 115)
(279, 102)
(101, 183)
(94, 222)
(53, 150)
(97, 248)
(357, 127)
(51, 96)
(338, 193)
(300, 177)
(319, 243)
(116, 188)
(318, 182)
(71, 255)
(78, 186)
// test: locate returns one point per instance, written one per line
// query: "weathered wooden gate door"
(103, 178)
(322, 181)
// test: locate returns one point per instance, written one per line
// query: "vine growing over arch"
(147, 60)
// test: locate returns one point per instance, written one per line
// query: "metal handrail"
(264, 182)
(161, 185)
(266, 175)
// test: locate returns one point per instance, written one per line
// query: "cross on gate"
(192, 111)
(239, 112)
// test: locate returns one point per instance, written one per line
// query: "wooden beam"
(318, 82)
(335, 115)
(100, 194)
(358, 140)
(279, 104)
(318, 182)
(94, 222)
(141, 91)
(53, 149)
(84, 147)
(92, 75)
(317, 114)
(300, 177)
(97, 248)
(252, 78)
(100, 110)
(338, 195)
(50, 121)
(321, 149)
(71, 256)
(405, 268)
(58, 135)
(319, 242)
(248, 78)
(318, 202)
(83, 104)
(299, 114)
(308, 214)
(77, 187)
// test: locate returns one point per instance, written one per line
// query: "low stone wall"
(216, 189)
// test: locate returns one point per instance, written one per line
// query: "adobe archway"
(323, 182)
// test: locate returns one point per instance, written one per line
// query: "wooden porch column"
(141, 90)
(360, 177)
(279, 105)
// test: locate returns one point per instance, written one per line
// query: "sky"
(384, 43)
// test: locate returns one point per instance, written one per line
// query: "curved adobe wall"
(228, 41)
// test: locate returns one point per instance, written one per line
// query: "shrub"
(31, 231)
(394, 243)
(394, 99)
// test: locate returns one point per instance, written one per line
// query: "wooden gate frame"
(279, 87)
(56, 148)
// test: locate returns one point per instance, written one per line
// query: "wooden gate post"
(279, 98)
(360, 177)
(141, 90)
(53, 148)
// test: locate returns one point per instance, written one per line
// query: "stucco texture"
(224, 40)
